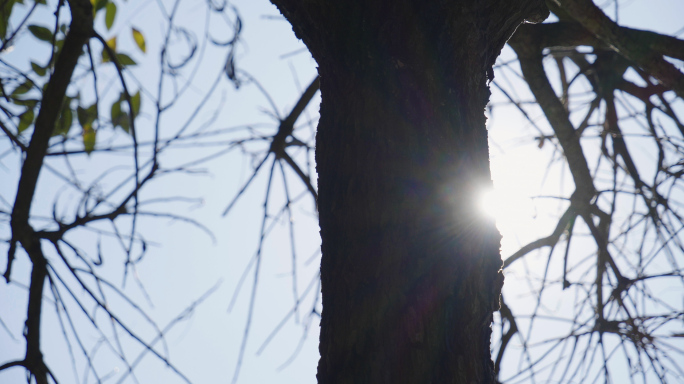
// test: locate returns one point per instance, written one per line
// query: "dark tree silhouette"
(43, 101)
(410, 271)
(628, 204)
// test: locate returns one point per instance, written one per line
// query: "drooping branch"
(573, 34)
(98, 202)
(609, 305)
(278, 143)
(525, 42)
(549, 241)
(595, 21)
(80, 31)
(33, 361)
(529, 53)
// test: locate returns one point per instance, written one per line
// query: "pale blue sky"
(186, 263)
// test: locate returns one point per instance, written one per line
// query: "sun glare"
(516, 217)
(490, 204)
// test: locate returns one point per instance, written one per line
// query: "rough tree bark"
(410, 271)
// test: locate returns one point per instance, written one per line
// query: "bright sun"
(516, 217)
(490, 203)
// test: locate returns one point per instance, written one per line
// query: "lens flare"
(490, 203)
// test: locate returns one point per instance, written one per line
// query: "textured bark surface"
(410, 269)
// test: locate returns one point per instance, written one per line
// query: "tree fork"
(80, 30)
(410, 270)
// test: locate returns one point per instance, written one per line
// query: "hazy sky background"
(185, 263)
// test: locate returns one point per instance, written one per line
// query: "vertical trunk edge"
(410, 270)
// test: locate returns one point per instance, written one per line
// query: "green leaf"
(124, 59)
(3, 24)
(89, 136)
(111, 43)
(125, 124)
(29, 103)
(86, 116)
(110, 14)
(5, 13)
(115, 112)
(98, 4)
(26, 119)
(119, 118)
(66, 119)
(135, 101)
(82, 116)
(22, 88)
(139, 40)
(92, 111)
(40, 71)
(41, 33)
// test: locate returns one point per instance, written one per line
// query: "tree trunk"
(410, 269)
